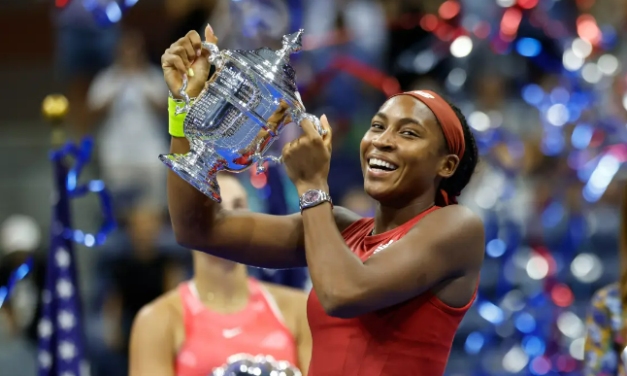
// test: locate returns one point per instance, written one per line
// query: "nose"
(384, 141)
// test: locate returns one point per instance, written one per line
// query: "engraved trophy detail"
(228, 125)
(260, 365)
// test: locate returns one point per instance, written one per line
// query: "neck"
(219, 281)
(389, 217)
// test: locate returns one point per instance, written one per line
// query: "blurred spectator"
(137, 276)
(132, 96)
(83, 48)
(354, 29)
(492, 97)
(606, 333)
(243, 24)
(186, 15)
(19, 239)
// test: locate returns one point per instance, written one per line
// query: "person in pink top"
(220, 312)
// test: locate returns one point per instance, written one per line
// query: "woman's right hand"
(186, 56)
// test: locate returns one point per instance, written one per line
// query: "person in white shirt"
(131, 95)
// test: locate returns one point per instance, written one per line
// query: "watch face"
(311, 196)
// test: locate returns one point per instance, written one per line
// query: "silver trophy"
(260, 365)
(228, 125)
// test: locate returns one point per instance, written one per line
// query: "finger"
(326, 127)
(179, 51)
(190, 53)
(196, 42)
(309, 129)
(283, 104)
(287, 149)
(209, 35)
(279, 114)
(210, 38)
(173, 62)
(324, 123)
(277, 118)
(186, 43)
(275, 123)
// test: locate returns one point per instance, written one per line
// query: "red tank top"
(410, 338)
(211, 337)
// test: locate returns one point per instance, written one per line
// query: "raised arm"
(200, 223)
(251, 238)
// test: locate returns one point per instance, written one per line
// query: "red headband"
(451, 126)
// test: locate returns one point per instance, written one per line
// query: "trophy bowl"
(230, 125)
(260, 365)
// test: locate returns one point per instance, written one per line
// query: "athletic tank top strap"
(398, 232)
(358, 239)
(211, 337)
(269, 300)
(359, 228)
(364, 226)
(192, 306)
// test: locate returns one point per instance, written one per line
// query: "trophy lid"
(273, 66)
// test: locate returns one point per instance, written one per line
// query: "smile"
(378, 165)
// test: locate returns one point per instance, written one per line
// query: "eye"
(376, 126)
(410, 133)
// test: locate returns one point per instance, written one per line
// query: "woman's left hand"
(307, 159)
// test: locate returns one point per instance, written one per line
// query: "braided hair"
(453, 185)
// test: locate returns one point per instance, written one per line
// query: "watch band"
(313, 197)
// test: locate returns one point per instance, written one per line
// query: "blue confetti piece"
(17, 275)
(81, 154)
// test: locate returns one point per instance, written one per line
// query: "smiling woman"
(449, 121)
(388, 292)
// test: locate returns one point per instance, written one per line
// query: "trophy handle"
(199, 168)
(186, 99)
(215, 58)
(261, 159)
(297, 117)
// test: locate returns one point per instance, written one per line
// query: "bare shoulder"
(344, 217)
(459, 229)
(458, 210)
(152, 343)
(456, 217)
(162, 311)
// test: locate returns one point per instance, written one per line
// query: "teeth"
(378, 162)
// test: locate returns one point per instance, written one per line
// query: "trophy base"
(198, 171)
